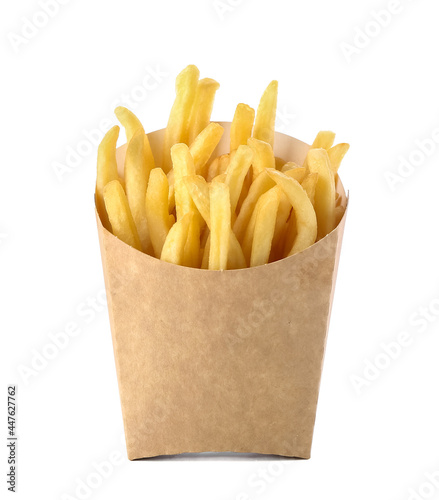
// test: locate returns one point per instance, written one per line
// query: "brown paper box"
(220, 360)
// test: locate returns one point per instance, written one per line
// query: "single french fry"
(261, 184)
(248, 180)
(173, 248)
(129, 121)
(266, 114)
(289, 165)
(324, 202)
(309, 185)
(191, 252)
(198, 190)
(183, 165)
(204, 144)
(306, 220)
(298, 173)
(289, 236)
(263, 156)
(176, 130)
(131, 125)
(224, 162)
(279, 163)
(283, 214)
(265, 224)
(242, 125)
(247, 240)
(236, 172)
(206, 252)
(202, 108)
(106, 170)
(213, 170)
(220, 178)
(119, 214)
(204, 234)
(220, 225)
(137, 173)
(156, 209)
(324, 139)
(171, 195)
(235, 259)
(336, 155)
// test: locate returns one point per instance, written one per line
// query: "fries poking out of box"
(242, 208)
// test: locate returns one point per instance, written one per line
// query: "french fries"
(266, 115)
(156, 209)
(106, 170)
(137, 171)
(177, 129)
(324, 204)
(245, 208)
(242, 125)
(119, 214)
(220, 225)
(202, 107)
(306, 220)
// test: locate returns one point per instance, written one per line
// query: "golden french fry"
(202, 108)
(220, 178)
(204, 235)
(324, 202)
(191, 252)
(247, 240)
(129, 121)
(171, 195)
(131, 125)
(206, 251)
(204, 144)
(198, 190)
(306, 221)
(220, 225)
(156, 208)
(176, 130)
(106, 170)
(289, 165)
(336, 155)
(309, 185)
(266, 114)
(136, 179)
(248, 179)
(324, 139)
(289, 236)
(298, 173)
(265, 224)
(236, 259)
(263, 156)
(119, 214)
(183, 165)
(261, 184)
(173, 248)
(242, 125)
(224, 162)
(236, 172)
(213, 169)
(279, 163)
(283, 214)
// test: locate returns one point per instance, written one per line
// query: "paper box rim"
(339, 187)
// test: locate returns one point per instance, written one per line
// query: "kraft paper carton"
(220, 360)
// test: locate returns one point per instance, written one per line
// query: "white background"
(377, 441)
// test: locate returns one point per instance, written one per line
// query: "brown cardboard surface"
(220, 360)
